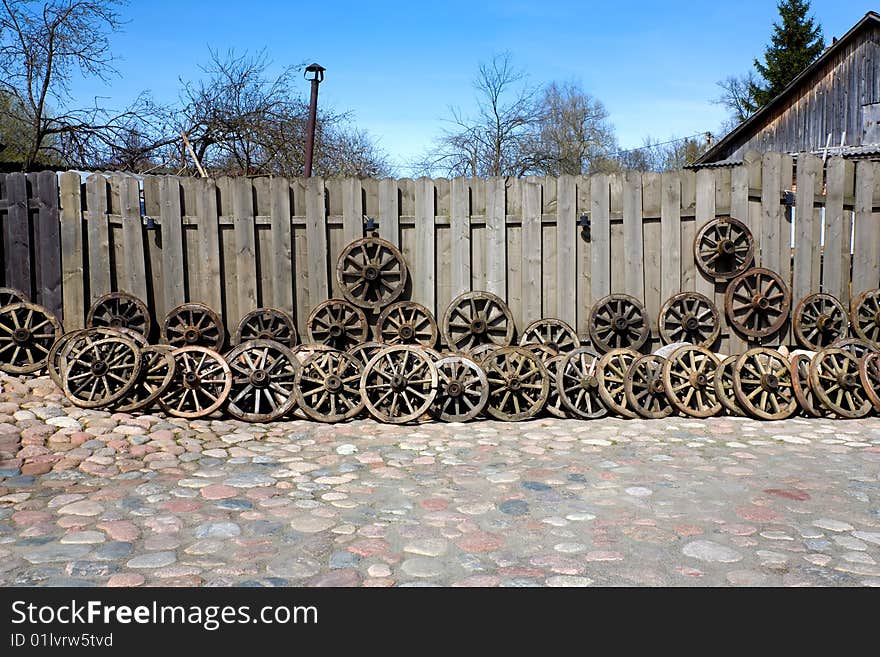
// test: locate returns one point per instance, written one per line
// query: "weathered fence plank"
(211, 287)
(600, 247)
(769, 238)
(633, 255)
(99, 237)
(531, 251)
(48, 243)
(566, 250)
(423, 268)
(73, 302)
(838, 229)
(496, 237)
(352, 210)
(173, 269)
(134, 279)
(584, 260)
(282, 260)
(16, 238)
(652, 232)
(389, 211)
(866, 254)
(316, 238)
(670, 239)
(807, 227)
(460, 236)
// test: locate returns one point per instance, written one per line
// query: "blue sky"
(398, 66)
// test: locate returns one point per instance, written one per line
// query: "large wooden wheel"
(475, 318)
(399, 384)
(542, 351)
(689, 377)
(577, 383)
(723, 384)
(120, 310)
(365, 351)
(518, 384)
(689, 317)
(835, 381)
(757, 302)
(338, 324)
(818, 320)
(480, 351)
(869, 373)
(856, 346)
(9, 295)
(328, 387)
(27, 333)
(193, 325)
(266, 324)
(865, 316)
(643, 388)
(724, 248)
(611, 373)
(100, 372)
(55, 363)
(618, 321)
(371, 273)
(762, 384)
(263, 385)
(462, 391)
(799, 366)
(406, 322)
(156, 374)
(553, 333)
(201, 384)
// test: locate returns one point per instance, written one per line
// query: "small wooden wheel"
(724, 248)
(799, 366)
(518, 384)
(689, 374)
(553, 333)
(55, 363)
(156, 374)
(644, 389)
(869, 372)
(865, 316)
(9, 295)
(757, 302)
(371, 273)
(266, 324)
(462, 391)
(856, 346)
(193, 325)
(818, 320)
(723, 384)
(762, 384)
(611, 372)
(577, 383)
(835, 381)
(27, 333)
(406, 322)
(201, 384)
(689, 317)
(475, 318)
(263, 385)
(399, 384)
(100, 372)
(554, 400)
(338, 324)
(542, 351)
(327, 386)
(365, 351)
(618, 321)
(120, 310)
(479, 352)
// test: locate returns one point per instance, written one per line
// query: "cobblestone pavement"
(94, 498)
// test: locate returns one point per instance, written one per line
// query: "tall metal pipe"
(317, 73)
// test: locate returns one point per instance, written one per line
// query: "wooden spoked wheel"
(156, 374)
(689, 377)
(328, 387)
(554, 401)
(818, 320)
(338, 324)
(577, 383)
(611, 373)
(618, 321)
(9, 295)
(865, 316)
(553, 333)
(644, 389)
(479, 352)
(475, 318)
(55, 363)
(799, 366)
(724, 248)
(757, 302)
(406, 322)
(542, 351)
(433, 353)
(304, 351)
(518, 384)
(100, 372)
(689, 317)
(762, 384)
(263, 387)
(120, 310)
(266, 324)
(856, 346)
(201, 384)
(27, 333)
(399, 384)
(462, 390)
(371, 273)
(835, 381)
(723, 384)
(869, 373)
(365, 351)
(193, 325)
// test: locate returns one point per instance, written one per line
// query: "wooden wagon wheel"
(100, 372)
(724, 248)
(328, 386)
(688, 375)
(399, 384)
(156, 374)
(643, 388)
(9, 295)
(479, 352)
(266, 324)
(611, 373)
(55, 363)
(856, 346)
(120, 310)
(263, 373)
(577, 383)
(689, 317)
(799, 366)
(869, 373)
(193, 325)
(305, 351)
(406, 322)
(371, 273)
(433, 353)
(518, 384)
(474, 318)
(763, 386)
(818, 320)
(757, 302)
(338, 324)
(554, 404)
(27, 333)
(723, 384)
(201, 384)
(542, 351)
(462, 390)
(865, 316)
(554, 333)
(618, 321)
(365, 351)
(835, 381)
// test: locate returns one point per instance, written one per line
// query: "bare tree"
(738, 96)
(670, 155)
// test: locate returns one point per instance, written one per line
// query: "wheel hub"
(21, 335)
(192, 335)
(691, 323)
(589, 382)
(100, 368)
(191, 380)
(823, 323)
(760, 301)
(619, 323)
(770, 382)
(655, 386)
(513, 383)
(454, 389)
(259, 378)
(553, 345)
(877, 317)
(398, 382)
(726, 247)
(266, 335)
(333, 383)
(336, 330)
(406, 332)
(478, 326)
(371, 272)
(847, 381)
(118, 322)
(699, 380)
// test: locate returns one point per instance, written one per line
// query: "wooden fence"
(240, 243)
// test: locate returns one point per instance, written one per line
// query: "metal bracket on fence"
(788, 198)
(370, 225)
(584, 223)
